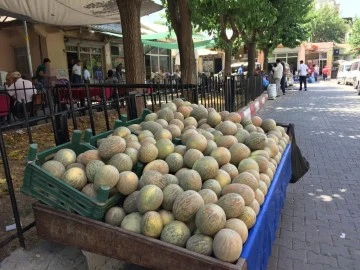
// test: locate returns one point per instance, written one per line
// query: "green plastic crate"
(50, 190)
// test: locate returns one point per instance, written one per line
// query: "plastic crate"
(52, 191)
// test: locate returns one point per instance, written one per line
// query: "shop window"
(21, 61)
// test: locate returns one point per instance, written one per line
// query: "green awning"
(174, 45)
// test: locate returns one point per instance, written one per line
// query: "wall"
(56, 52)
(7, 62)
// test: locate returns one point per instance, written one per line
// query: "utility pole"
(28, 49)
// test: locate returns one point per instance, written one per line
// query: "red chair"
(5, 108)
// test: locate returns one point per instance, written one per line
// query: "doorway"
(71, 58)
(217, 65)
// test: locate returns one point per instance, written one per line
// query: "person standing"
(119, 72)
(283, 79)
(303, 71)
(278, 74)
(41, 71)
(86, 75)
(325, 73)
(316, 72)
(76, 72)
(240, 70)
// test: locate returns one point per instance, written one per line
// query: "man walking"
(303, 70)
(283, 78)
(278, 74)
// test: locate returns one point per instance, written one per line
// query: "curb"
(253, 106)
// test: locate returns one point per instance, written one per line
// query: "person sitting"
(38, 85)
(20, 90)
(111, 78)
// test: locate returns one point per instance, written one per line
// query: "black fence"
(57, 104)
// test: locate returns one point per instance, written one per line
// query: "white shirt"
(76, 69)
(316, 69)
(303, 69)
(18, 91)
(278, 71)
(86, 75)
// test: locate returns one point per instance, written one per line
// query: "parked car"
(353, 73)
(343, 72)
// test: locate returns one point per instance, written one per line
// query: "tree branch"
(222, 21)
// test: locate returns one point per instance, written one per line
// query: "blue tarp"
(257, 248)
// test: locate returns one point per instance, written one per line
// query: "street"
(321, 218)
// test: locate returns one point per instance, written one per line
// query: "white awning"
(69, 12)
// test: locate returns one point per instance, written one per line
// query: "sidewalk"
(320, 223)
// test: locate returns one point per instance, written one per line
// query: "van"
(353, 75)
(343, 71)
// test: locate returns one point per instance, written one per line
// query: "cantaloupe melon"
(163, 134)
(152, 178)
(238, 152)
(174, 130)
(208, 195)
(185, 110)
(76, 165)
(178, 123)
(199, 113)
(175, 162)
(107, 175)
(246, 121)
(157, 165)
(65, 156)
(238, 226)
(121, 162)
(256, 141)
(256, 121)
(223, 178)
(54, 167)
(145, 133)
(130, 138)
(147, 140)
(248, 179)
(151, 224)
(129, 204)
(165, 147)
(135, 128)
(169, 105)
(170, 193)
(265, 178)
(213, 119)
(274, 137)
(132, 222)
(149, 199)
(222, 155)
(151, 126)
(163, 123)
(268, 125)
(259, 196)
(166, 114)
(202, 122)
(190, 121)
(133, 144)
(248, 216)
(262, 153)
(211, 146)
(166, 216)
(114, 216)
(200, 243)
(232, 204)
(226, 141)
(254, 173)
(255, 206)
(227, 245)
(259, 129)
(180, 149)
(151, 117)
(262, 162)
(243, 190)
(133, 154)
(213, 185)
(170, 179)
(92, 168)
(206, 134)
(263, 187)
(207, 167)
(227, 128)
(210, 219)
(89, 190)
(241, 135)
(187, 134)
(179, 116)
(273, 147)
(186, 205)
(75, 177)
(217, 134)
(128, 183)
(231, 170)
(223, 115)
(121, 132)
(111, 146)
(233, 117)
(248, 164)
(176, 233)
(87, 156)
(196, 141)
(189, 179)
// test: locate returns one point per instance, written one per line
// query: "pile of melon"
(203, 194)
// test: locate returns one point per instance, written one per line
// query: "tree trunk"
(266, 60)
(251, 58)
(228, 54)
(180, 17)
(133, 49)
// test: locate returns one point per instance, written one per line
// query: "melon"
(163, 123)
(217, 134)
(191, 156)
(75, 177)
(147, 140)
(213, 185)
(189, 179)
(134, 128)
(166, 114)
(263, 187)
(232, 204)
(54, 167)
(265, 178)
(239, 126)
(211, 146)
(76, 165)
(273, 147)
(187, 134)
(199, 113)
(277, 133)
(107, 175)
(256, 120)
(169, 105)
(268, 125)
(176, 233)
(256, 141)
(89, 190)
(179, 116)
(165, 148)
(248, 164)
(133, 144)
(250, 128)
(114, 216)
(121, 162)
(151, 117)
(175, 162)
(241, 135)
(243, 190)
(227, 245)
(196, 141)
(262, 153)
(259, 129)
(223, 178)
(152, 178)
(87, 156)
(111, 146)
(207, 167)
(65, 156)
(254, 173)
(163, 134)
(246, 121)
(222, 155)
(230, 169)
(200, 243)
(255, 206)
(170, 179)
(208, 195)
(166, 216)
(262, 162)
(132, 222)
(281, 129)
(149, 199)
(178, 123)
(185, 110)
(227, 128)
(170, 193)
(121, 132)
(213, 119)
(238, 226)
(178, 102)
(210, 219)
(248, 216)
(157, 165)
(259, 196)
(174, 130)
(223, 115)
(151, 126)
(206, 134)
(233, 117)
(274, 137)
(147, 153)
(186, 205)
(226, 141)
(202, 122)
(129, 204)
(144, 134)
(248, 179)
(133, 154)
(190, 121)
(151, 224)
(238, 152)
(92, 168)
(180, 149)
(128, 183)
(131, 138)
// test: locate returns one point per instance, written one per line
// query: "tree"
(327, 25)
(355, 37)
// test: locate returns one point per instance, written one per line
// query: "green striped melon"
(211, 146)
(163, 134)
(222, 155)
(186, 205)
(107, 175)
(129, 204)
(248, 216)
(241, 135)
(238, 152)
(170, 193)
(128, 183)
(165, 148)
(152, 178)
(114, 216)
(176, 233)
(191, 156)
(65, 156)
(223, 178)
(150, 198)
(147, 153)
(157, 165)
(133, 154)
(248, 164)
(238, 226)
(75, 177)
(175, 162)
(121, 132)
(200, 243)
(196, 141)
(111, 146)
(121, 162)
(92, 168)
(213, 185)
(208, 196)
(268, 125)
(210, 219)
(231, 170)
(213, 119)
(232, 204)
(189, 179)
(243, 190)
(54, 167)
(207, 167)
(226, 141)
(227, 245)
(256, 141)
(132, 222)
(151, 224)
(170, 179)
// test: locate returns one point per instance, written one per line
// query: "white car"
(353, 73)
(343, 71)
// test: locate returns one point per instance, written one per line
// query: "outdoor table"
(113, 242)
